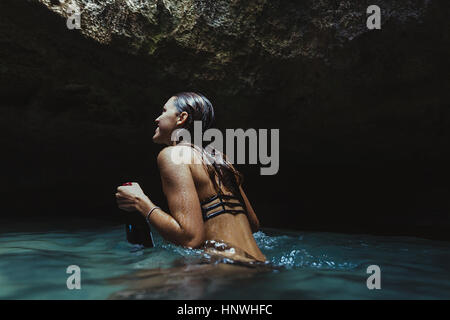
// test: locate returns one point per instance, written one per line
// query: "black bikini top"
(222, 202)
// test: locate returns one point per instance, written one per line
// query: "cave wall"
(363, 115)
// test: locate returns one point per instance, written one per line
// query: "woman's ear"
(182, 118)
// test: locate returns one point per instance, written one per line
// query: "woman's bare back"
(227, 234)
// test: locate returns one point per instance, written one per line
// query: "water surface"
(303, 265)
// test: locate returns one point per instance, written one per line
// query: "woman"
(208, 207)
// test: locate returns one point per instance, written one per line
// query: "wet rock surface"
(363, 116)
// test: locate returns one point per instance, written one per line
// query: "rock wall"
(363, 114)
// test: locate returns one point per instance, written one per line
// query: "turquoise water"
(303, 265)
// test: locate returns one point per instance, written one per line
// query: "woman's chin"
(157, 139)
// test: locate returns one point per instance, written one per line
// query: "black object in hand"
(137, 229)
(139, 233)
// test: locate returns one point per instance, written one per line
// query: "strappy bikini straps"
(222, 202)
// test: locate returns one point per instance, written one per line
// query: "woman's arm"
(184, 224)
(252, 218)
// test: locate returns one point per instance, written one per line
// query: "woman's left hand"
(130, 197)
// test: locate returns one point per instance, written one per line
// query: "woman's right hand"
(130, 197)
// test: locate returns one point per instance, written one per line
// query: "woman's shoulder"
(179, 154)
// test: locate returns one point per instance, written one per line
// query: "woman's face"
(166, 122)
